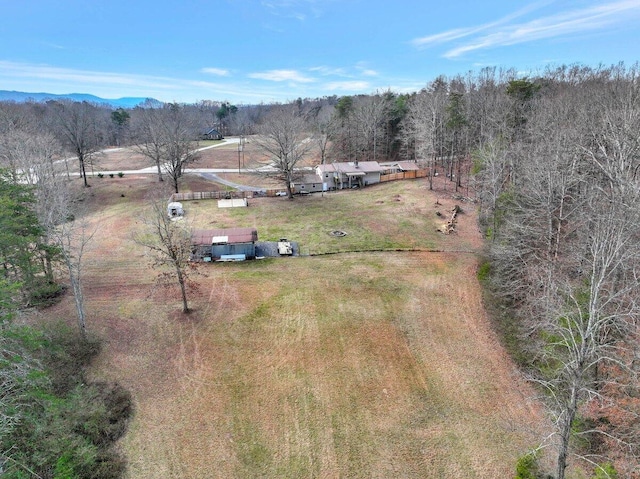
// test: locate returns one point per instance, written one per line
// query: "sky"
(265, 51)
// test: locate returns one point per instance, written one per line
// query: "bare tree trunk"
(72, 239)
(160, 178)
(79, 300)
(183, 289)
(565, 430)
(83, 171)
(432, 165)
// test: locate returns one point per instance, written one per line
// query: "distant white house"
(349, 174)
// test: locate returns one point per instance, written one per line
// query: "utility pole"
(242, 140)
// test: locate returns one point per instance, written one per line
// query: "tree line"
(557, 164)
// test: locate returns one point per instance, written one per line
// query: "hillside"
(359, 364)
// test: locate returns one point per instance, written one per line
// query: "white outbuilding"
(174, 209)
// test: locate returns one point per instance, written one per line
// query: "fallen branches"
(450, 226)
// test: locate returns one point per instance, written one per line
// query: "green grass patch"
(372, 220)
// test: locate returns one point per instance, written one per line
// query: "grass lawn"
(393, 216)
(366, 363)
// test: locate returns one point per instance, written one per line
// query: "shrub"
(484, 270)
(527, 467)
(104, 412)
(68, 426)
(44, 292)
(606, 471)
(110, 175)
(100, 175)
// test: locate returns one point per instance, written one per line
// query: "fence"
(404, 175)
(231, 194)
(211, 195)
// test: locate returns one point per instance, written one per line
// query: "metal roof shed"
(234, 235)
(225, 242)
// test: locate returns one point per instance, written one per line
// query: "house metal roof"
(351, 168)
(309, 179)
(408, 165)
(233, 235)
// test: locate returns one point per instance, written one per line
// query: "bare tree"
(370, 114)
(65, 233)
(71, 237)
(80, 128)
(323, 123)
(422, 126)
(169, 243)
(28, 155)
(344, 137)
(457, 127)
(181, 148)
(567, 250)
(490, 177)
(589, 317)
(71, 233)
(167, 137)
(283, 136)
(149, 139)
(242, 123)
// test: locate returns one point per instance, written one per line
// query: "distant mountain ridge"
(21, 97)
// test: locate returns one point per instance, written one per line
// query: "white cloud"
(327, 71)
(368, 72)
(360, 69)
(14, 70)
(503, 32)
(457, 33)
(566, 23)
(348, 86)
(282, 75)
(297, 9)
(221, 72)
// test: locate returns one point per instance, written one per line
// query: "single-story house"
(224, 244)
(210, 134)
(307, 184)
(349, 174)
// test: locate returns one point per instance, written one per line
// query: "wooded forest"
(552, 161)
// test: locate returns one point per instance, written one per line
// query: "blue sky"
(252, 51)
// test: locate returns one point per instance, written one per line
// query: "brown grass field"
(363, 364)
